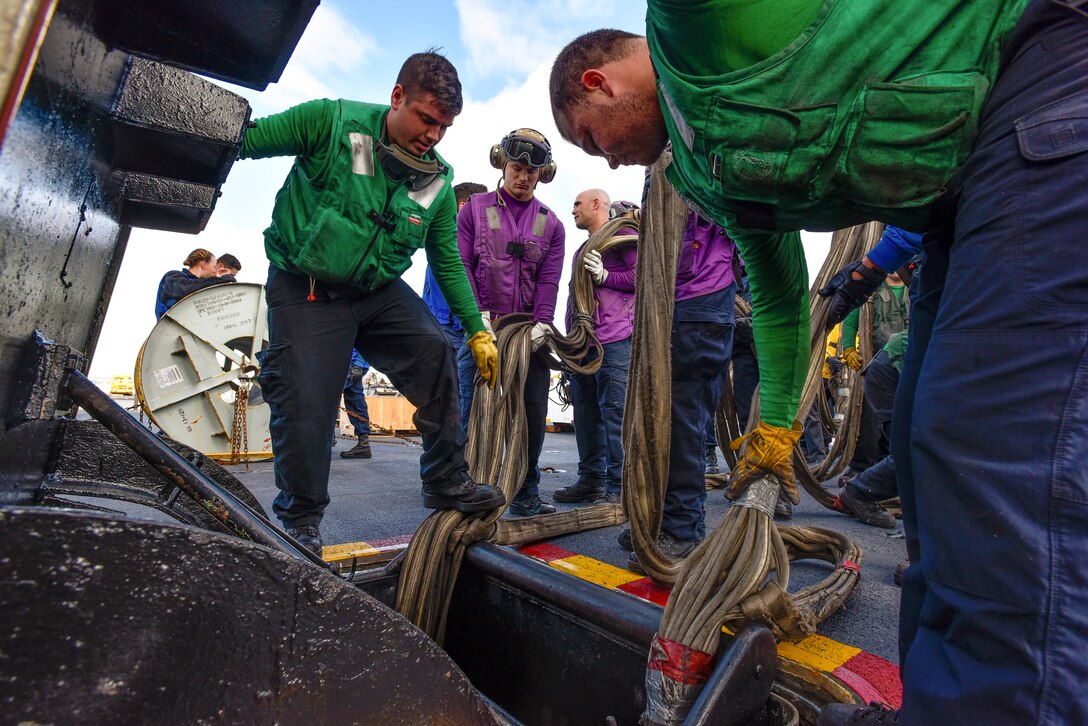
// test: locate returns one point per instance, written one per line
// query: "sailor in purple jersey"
(512, 248)
(598, 399)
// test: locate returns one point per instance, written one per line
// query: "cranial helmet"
(527, 146)
(619, 209)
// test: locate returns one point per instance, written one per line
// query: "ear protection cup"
(547, 172)
(498, 159)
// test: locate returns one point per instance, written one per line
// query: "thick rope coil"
(846, 245)
(497, 453)
(741, 571)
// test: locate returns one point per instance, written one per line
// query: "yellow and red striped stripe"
(873, 678)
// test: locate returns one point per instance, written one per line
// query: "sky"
(503, 51)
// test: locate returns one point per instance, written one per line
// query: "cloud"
(330, 51)
(510, 38)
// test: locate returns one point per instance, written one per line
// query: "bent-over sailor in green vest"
(963, 120)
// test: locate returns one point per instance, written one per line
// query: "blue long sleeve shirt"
(895, 248)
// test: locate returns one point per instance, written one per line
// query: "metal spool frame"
(193, 364)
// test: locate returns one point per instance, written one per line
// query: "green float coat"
(844, 112)
(891, 313)
(321, 224)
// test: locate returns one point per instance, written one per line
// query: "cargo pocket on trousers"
(1053, 140)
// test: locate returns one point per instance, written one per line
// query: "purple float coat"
(706, 259)
(615, 315)
(513, 254)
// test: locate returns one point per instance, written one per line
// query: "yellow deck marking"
(595, 571)
(333, 553)
(817, 651)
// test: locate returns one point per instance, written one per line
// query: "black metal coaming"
(550, 648)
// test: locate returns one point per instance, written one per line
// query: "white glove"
(595, 266)
(486, 318)
(538, 335)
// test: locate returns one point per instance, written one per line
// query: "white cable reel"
(193, 364)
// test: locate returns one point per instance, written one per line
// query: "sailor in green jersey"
(967, 121)
(366, 191)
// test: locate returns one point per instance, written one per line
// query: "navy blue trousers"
(702, 340)
(598, 402)
(881, 381)
(990, 429)
(355, 402)
(745, 380)
(304, 367)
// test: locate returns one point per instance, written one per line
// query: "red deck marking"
(391, 541)
(544, 551)
(882, 674)
(647, 590)
(865, 690)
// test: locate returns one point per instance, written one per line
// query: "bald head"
(591, 209)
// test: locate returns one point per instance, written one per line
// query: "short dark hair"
(430, 72)
(464, 190)
(591, 50)
(228, 260)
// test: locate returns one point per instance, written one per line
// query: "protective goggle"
(400, 166)
(530, 151)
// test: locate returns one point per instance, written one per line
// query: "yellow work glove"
(486, 354)
(766, 450)
(852, 358)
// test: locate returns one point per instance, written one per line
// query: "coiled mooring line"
(741, 571)
(497, 454)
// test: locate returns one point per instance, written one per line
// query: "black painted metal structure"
(247, 42)
(550, 648)
(201, 488)
(114, 620)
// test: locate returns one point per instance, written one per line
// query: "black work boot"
(467, 496)
(677, 549)
(609, 498)
(580, 491)
(625, 540)
(309, 536)
(851, 714)
(525, 505)
(361, 450)
(712, 461)
(855, 502)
